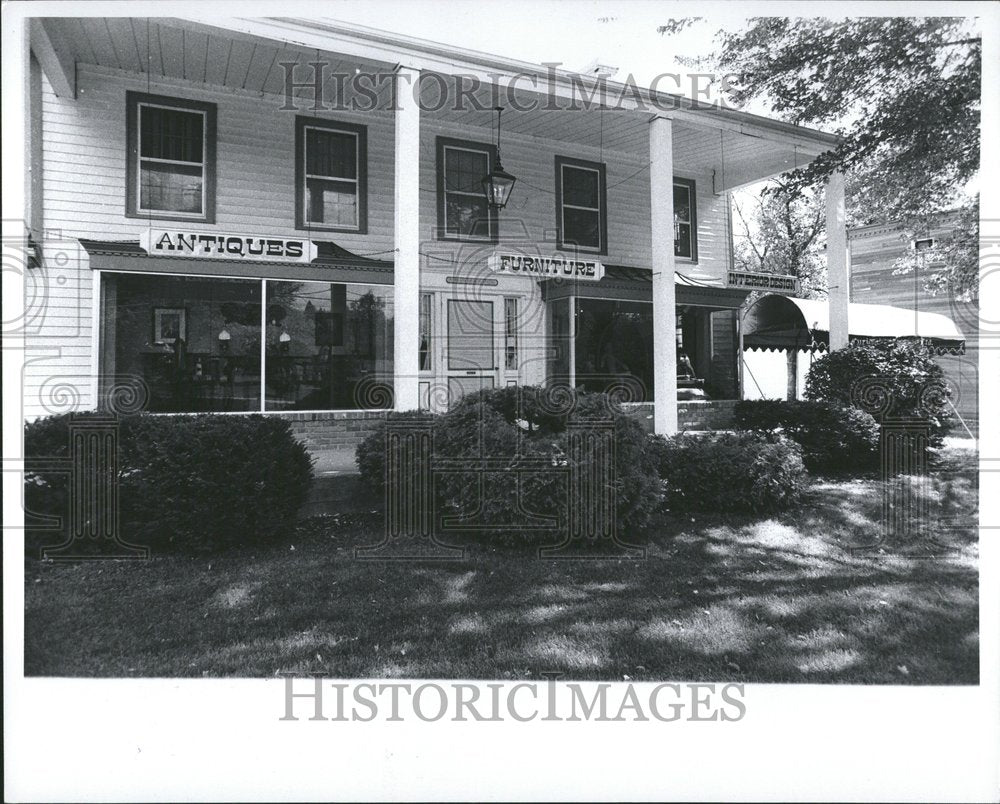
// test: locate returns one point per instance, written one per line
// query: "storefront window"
(614, 347)
(195, 343)
(614, 350)
(328, 346)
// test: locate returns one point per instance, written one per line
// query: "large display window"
(613, 349)
(201, 344)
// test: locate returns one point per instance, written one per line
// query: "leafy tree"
(903, 92)
(780, 233)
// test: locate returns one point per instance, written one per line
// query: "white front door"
(470, 359)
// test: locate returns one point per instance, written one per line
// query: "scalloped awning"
(784, 322)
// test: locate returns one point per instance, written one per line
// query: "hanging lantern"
(498, 184)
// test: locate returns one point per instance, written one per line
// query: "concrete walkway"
(334, 462)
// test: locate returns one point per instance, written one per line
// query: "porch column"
(839, 276)
(406, 279)
(661, 195)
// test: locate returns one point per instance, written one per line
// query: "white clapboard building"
(290, 217)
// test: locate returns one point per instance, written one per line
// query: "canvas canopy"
(784, 322)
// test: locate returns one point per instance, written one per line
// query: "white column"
(661, 195)
(406, 281)
(838, 273)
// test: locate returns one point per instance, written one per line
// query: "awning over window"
(625, 283)
(333, 263)
(784, 322)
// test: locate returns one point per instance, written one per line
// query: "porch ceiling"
(196, 52)
(738, 149)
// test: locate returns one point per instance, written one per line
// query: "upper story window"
(170, 172)
(581, 205)
(685, 220)
(463, 213)
(331, 175)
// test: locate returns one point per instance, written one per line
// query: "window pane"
(425, 331)
(173, 188)
(334, 203)
(172, 333)
(614, 347)
(171, 134)
(331, 153)
(328, 346)
(582, 227)
(682, 243)
(464, 170)
(682, 203)
(510, 333)
(581, 187)
(558, 341)
(466, 215)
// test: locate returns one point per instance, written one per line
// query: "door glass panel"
(470, 335)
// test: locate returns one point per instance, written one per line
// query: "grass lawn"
(783, 599)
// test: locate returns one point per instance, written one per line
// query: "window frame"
(443, 145)
(133, 173)
(602, 191)
(360, 134)
(691, 186)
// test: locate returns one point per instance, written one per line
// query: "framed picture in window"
(169, 324)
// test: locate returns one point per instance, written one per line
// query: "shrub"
(185, 483)
(888, 378)
(739, 472)
(369, 455)
(834, 438)
(523, 433)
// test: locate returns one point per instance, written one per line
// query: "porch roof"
(246, 55)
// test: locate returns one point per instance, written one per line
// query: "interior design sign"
(216, 245)
(778, 283)
(546, 267)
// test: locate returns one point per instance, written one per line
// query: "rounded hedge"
(835, 438)
(522, 433)
(734, 472)
(185, 483)
(886, 378)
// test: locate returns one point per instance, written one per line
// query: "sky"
(620, 33)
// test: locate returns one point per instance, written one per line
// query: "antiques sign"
(546, 267)
(222, 246)
(777, 283)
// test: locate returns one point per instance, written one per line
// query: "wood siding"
(874, 250)
(83, 187)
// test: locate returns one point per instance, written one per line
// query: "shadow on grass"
(782, 599)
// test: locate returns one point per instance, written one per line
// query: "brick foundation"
(333, 430)
(337, 430)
